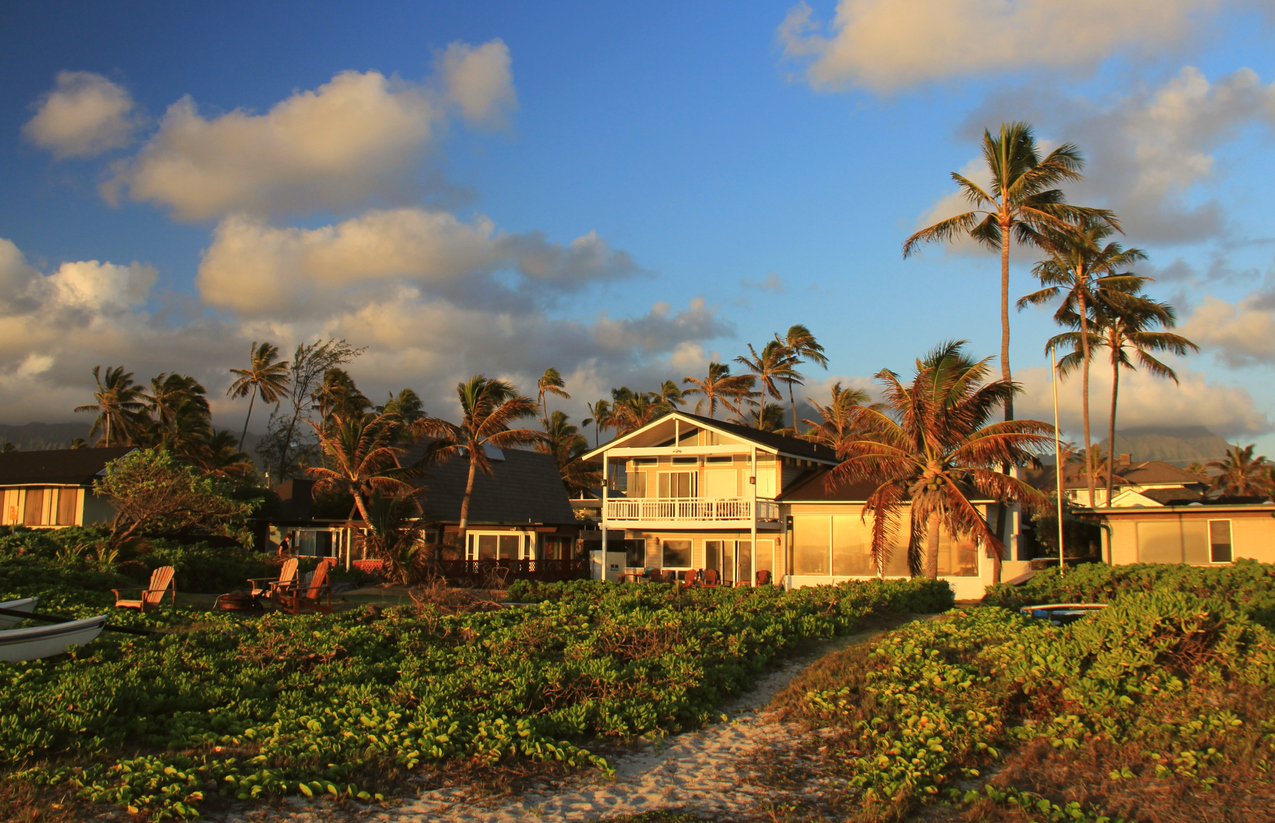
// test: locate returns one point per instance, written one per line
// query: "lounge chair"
(153, 594)
(309, 595)
(268, 586)
(711, 579)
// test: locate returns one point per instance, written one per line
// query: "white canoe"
(46, 641)
(26, 604)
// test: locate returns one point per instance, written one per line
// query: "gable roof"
(781, 443)
(57, 467)
(809, 488)
(1144, 473)
(524, 487)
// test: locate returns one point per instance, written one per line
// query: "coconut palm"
(1124, 324)
(406, 406)
(337, 396)
(1023, 201)
(670, 394)
(838, 425)
(768, 419)
(802, 347)
(1078, 266)
(932, 450)
(550, 383)
(568, 446)
(360, 457)
(633, 410)
(774, 363)
(1241, 474)
(600, 419)
(181, 418)
(120, 407)
(718, 385)
(218, 456)
(266, 376)
(488, 407)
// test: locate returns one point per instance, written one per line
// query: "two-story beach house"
(698, 493)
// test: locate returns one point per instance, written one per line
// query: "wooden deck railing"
(697, 509)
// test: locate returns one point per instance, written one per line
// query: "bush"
(1246, 585)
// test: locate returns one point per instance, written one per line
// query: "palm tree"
(670, 394)
(601, 419)
(768, 419)
(568, 446)
(550, 383)
(1078, 266)
(1241, 474)
(774, 363)
(838, 426)
(932, 449)
(634, 410)
(218, 456)
(119, 405)
(1124, 324)
(488, 407)
(266, 375)
(362, 458)
(717, 385)
(181, 417)
(801, 346)
(406, 406)
(337, 396)
(1023, 202)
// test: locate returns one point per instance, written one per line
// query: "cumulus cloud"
(1149, 152)
(257, 269)
(1240, 333)
(478, 80)
(1145, 400)
(353, 140)
(884, 46)
(84, 115)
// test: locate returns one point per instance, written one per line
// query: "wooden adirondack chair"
(153, 594)
(268, 586)
(310, 595)
(711, 578)
(691, 579)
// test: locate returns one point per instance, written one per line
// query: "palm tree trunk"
(792, 403)
(1006, 374)
(1111, 426)
(464, 502)
(1084, 397)
(362, 507)
(932, 547)
(108, 431)
(251, 400)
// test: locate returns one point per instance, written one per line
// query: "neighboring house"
(54, 488)
(700, 493)
(520, 515)
(1202, 532)
(1143, 483)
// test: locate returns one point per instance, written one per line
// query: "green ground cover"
(235, 708)
(1159, 708)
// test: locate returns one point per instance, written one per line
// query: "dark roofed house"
(1137, 484)
(54, 488)
(520, 519)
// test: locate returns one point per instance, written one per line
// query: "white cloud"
(885, 45)
(356, 139)
(257, 269)
(478, 80)
(84, 115)
(1144, 400)
(1241, 333)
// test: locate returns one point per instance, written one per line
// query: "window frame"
(1230, 542)
(690, 553)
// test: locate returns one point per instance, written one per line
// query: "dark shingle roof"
(56, 467)
(524, 488)
(788, 445)
(810, 488)
(1151, 472)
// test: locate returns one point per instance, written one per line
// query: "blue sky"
(621, 191)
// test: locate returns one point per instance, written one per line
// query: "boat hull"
(26, 604)
(46, 641)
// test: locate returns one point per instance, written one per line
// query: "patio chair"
(153, 594)
(315, 594)
(269, 586)
(712, 579)
(691, 579)
(763, 577)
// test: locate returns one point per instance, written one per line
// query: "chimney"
(1124, 460)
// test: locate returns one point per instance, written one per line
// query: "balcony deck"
(690, 512)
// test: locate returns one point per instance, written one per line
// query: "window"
(1174, 541)
(685, 461)
(720, 459)
(33, 513)
(677, 485)
(637, 484)
(1220, 541)
(957, 558)
(68, 506)
(810, 545)
(495, 546)
(677, 554)
(851, 546)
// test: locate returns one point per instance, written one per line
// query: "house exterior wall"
(1252, 533)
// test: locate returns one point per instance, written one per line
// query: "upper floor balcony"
(691, 512)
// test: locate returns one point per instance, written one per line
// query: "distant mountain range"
(41, 436)
(1179, 445)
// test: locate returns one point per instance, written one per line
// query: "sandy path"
(700, 771)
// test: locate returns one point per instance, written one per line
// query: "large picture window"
(811, 544)
(1220, 541)
(677, 554)
(1174, 541)
(677, 485)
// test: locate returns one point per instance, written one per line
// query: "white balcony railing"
(672, 511)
